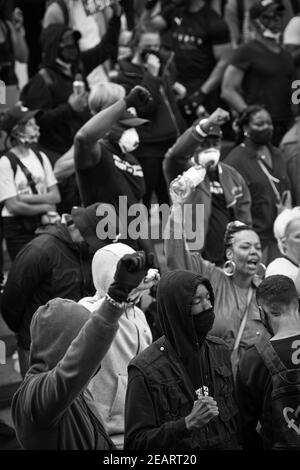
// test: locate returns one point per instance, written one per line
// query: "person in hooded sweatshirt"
(52, 409)
(108, 387)
(57, 263)
(180, 392)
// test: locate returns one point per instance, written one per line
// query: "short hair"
(277, 289)
(105, 94)
(139, 31)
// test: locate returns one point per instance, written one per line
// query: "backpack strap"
(270, 357)
(15, 162)
(240, 13)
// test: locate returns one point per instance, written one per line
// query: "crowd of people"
(139, 104)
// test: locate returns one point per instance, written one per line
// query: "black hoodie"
(50, 91)
(175, 293)
(51, 265)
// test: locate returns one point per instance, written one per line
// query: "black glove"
(131, 270)
(138, 97)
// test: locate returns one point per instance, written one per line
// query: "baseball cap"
(261, 6)
(17, 114)
(130, 119)
(86, 220)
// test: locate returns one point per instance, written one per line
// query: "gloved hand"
(137, 97)
(194, 101)
(131, 270)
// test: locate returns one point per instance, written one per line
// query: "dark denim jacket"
(172, 396)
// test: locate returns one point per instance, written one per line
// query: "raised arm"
(87, 150)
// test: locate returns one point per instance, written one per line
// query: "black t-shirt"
(288, 349)
(268, 78)
(115, 175)
(219, 218)
(194, 35)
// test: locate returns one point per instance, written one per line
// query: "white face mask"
(129, 140)
(269, 34)
(209, 157)
(27, 139)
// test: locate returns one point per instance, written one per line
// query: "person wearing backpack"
(268, 377)
(28, 187)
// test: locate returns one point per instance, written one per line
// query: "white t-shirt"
(291, 33)
(14, 185)
(282, 266)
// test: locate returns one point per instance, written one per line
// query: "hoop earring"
(232, 268)
(263, 267)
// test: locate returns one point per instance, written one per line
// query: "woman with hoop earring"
(237, 319)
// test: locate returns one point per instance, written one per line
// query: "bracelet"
(114, 302)
(199, 129)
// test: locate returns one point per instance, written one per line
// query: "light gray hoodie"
(109, 385)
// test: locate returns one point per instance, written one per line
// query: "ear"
(229, 254)
(283, 245)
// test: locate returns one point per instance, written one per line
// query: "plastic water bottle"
(185, 184)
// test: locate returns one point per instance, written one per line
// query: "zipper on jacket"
(167, 103)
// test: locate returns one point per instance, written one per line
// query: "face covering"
(69, 54)
(26, 139)
(146, 52)
(268, 33)
(129, 140)
(261, 137)
(209, 157)
(203, 323)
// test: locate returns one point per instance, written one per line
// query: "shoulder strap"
(270, 357)
(240, 13)
(244, 320)
(272, 180)
(15, 161)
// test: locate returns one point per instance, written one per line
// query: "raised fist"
(130, 271)
(138, 97)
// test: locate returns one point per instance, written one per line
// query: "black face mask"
(70, 55)
(203, 323)
(262, 137)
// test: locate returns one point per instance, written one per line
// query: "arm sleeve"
(141, 428)
(219, 32)
(177, 157)
(24, 278)
(48, 395)
(177, 254)
(106, 49)
(7, 182)
(291, 33)
(241, 58)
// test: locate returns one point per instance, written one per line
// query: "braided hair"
(231, 229)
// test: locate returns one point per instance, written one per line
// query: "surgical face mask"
(129, 140)
(208, 157)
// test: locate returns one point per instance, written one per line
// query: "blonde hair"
(105, 94)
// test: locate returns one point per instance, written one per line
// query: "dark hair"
(277, 289)
(245, 118)
(231, 229)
